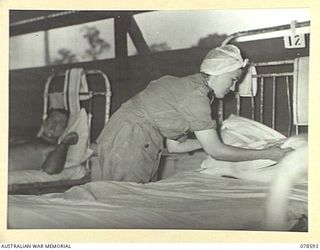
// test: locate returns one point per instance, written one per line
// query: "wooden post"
(121, 24)
(142, 47)
(137, 38)
(46, 48)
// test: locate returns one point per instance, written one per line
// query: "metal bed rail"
(264, 30)
(261, 78)
(261, 82)
(90, 94)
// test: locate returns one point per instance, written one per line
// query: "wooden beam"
(121, 26)
(142, 46)
(28, 21)
(137, 38)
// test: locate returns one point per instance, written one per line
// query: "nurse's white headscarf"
(222, 60)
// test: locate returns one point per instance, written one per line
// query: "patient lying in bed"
(43, 152)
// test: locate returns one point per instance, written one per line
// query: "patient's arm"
(56, 159)
(213, 146)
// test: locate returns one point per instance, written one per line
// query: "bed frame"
(38, 188)
(266, 78)
(257, 105)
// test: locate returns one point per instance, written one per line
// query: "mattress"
(39, 182)
(195, 198)
(31, 176)
(187, 200)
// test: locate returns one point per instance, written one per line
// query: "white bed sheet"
(188, 200)
(194, 199)
(32, 176)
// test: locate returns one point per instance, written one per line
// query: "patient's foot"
(71, 139)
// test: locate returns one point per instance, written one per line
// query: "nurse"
(169, 109)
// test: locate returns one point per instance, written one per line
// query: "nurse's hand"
(276, 153)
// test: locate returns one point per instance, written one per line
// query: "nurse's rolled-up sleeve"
(197, 111)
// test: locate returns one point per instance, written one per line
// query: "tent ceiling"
(27, 21)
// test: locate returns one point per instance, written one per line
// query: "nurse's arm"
(182, 147)
(213, 146)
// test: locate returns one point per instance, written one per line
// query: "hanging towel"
(248, 86)
(300, 91)
(75, 83)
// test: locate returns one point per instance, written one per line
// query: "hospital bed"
(192, 196)
(80, 92)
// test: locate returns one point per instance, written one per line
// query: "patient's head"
(55, 124)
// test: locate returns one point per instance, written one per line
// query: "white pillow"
(237, 129)
(242, 132)
(79, 152)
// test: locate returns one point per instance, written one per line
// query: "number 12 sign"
(294, 41)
